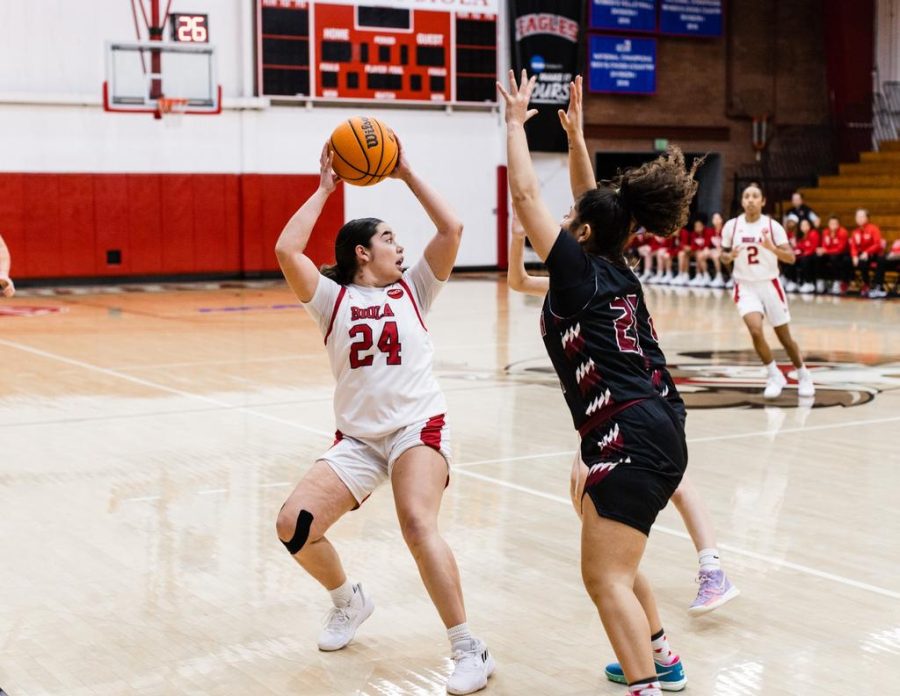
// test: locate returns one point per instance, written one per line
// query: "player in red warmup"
(867, 255)
(892, 263)
(663, 250)
(700, 238)
(833, 258)
(808, 242)
(681, 249)
(713, 251)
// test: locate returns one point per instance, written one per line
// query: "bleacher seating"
(873, 183)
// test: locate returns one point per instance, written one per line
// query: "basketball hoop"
(172, 108)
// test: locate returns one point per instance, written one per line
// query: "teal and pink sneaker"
(715, 590)
(671, 677)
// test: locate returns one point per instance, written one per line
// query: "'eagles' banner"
(544, 40)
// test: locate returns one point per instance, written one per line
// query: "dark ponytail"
(350, 236)
(656, 196)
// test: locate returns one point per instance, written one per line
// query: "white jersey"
(380, 351)
(754, 262)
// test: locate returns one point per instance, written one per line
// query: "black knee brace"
(301, 532)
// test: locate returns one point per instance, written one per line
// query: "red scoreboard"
(444, 52)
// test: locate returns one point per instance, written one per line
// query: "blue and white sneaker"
(671, 677)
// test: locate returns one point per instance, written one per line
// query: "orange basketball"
(365, 150)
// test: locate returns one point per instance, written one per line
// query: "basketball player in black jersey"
(632, 440)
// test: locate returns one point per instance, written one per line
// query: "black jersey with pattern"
(598, 334)
(656, 363)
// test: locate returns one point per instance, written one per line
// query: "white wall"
(887, 39)
(52, 67)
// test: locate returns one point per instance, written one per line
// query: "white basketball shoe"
(472, 666)
(341, 622)
(774, 386)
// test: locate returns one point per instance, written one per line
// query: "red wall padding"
(65, 225)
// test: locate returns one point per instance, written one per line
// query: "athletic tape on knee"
(301, 532)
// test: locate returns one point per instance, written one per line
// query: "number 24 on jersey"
(388, 343)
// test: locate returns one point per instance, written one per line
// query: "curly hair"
(656, 196)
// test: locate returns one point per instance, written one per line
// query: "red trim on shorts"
(337, 303)
(737, 293)
(778, 289)
(412, 298)
(431, 433)
(338, 436)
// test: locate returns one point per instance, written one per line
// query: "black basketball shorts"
(635, 462)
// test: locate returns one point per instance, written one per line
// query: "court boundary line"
(693, 440)
(162, 387)
(462, 471)
(840, 579)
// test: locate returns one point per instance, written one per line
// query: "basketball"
(365, 150)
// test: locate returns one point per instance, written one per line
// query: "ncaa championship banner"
(544, 39)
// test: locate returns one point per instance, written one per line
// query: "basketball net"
(173, 109)
(760, 134)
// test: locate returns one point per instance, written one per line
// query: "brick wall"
(771, 60)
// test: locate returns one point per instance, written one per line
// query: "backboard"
(140, 73)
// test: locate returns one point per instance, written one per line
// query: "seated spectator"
(892, 263)
(715, 253)
(631, 249)
(789, 271)
(802, 211)
(833, 258)
(806, 245)
(639, 252)
(699, 249)
(681, 247)
(867, 255)
(663, 250)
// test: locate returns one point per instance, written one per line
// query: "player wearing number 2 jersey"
(389, 410)
(755, 244)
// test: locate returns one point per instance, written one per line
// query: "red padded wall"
(177, 209)
(65, 225)
(269, 201)
(12, 220)
(41, 225)
(144, 231)
(77, 225)
(111, 223)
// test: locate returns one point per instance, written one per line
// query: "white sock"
(343, 595)
(651, 689)
(662, 651)
(709, 559)
(458, 634)
(773, 370)
(802, 372)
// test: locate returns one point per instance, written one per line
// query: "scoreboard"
(446, 52)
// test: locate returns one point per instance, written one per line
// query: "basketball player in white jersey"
(755, 243)
(7, 287)
(389, 409)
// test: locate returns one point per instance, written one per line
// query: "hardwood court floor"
(149, 438)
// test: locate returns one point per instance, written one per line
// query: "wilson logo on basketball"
(734, 379)
(395, 293)
(369, 132)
